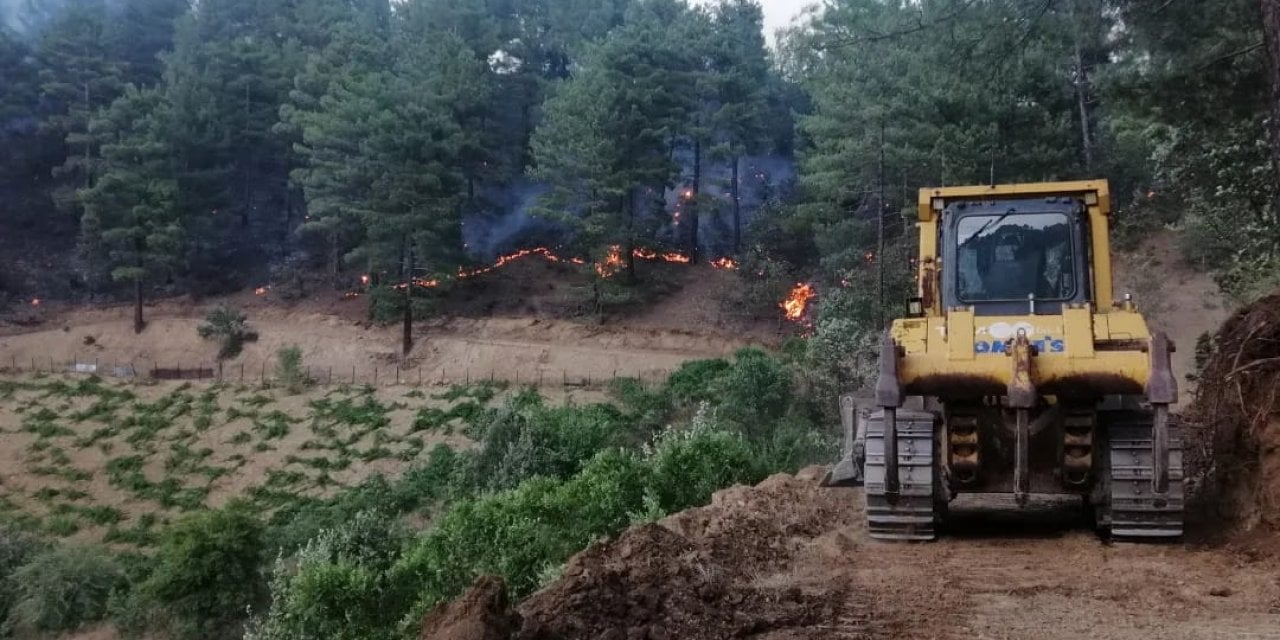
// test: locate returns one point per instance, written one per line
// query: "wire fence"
(264, 372)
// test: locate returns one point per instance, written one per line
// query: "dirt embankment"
(789, 560)
(1234, 426)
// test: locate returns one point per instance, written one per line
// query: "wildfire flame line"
(794, 306)
(797, 301)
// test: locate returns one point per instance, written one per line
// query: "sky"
(777, 14)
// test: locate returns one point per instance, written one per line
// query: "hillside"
(517, 325)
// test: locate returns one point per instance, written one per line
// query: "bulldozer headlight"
(915, 307)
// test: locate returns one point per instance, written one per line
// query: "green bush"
(690, 464)
(753, 393)
(207, 572)
(16, 549)
(289, 371)
(692, 382)
(339, 588)
(521, 533)
(645, 410)
(526, 438)
(62, 589)
(230, 327)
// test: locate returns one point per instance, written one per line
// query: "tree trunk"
(333, 258)
(694, 201)
(138, 323)
(408, 301)
(737, 206)
(1082, 102)
(630, 246)
(1271, 31)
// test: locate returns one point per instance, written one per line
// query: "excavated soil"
(482, 613)
(790, 560)
(1235, 422)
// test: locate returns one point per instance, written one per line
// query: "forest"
(157, 148)
(162, 147)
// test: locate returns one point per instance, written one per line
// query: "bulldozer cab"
(1015, 257)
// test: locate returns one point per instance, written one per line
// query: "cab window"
(1008, 257)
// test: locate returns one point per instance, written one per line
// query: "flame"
(35, 302)
(364, 279)
(797, 302)
(611, 263)
(728, 264)
(261, 291)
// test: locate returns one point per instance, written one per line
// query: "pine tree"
(78, 76)
(230, 72)
(742, 66)
(131, 217)
(142, 30)
(347, 45)
(626, 98)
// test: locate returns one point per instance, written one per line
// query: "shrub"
(340, 587)
(16, 549)
(690, 464)
(526, 438)
(207, 573)
(521, 534)
(230, 327)
(645, 410)
(63, 588)
(693, 381)
(289, 371)
(754, 392)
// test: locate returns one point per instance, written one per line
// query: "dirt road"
(789, 560)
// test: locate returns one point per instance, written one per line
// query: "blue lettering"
(982, 347)
(1058, 346)
(997, 346)
(1039, 345)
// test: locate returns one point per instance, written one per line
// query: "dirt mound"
(1234, 440)
(702, 573)
(482, 613)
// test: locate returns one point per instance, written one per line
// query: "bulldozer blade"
(848, 471)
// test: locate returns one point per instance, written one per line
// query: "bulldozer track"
(1134, 511)
(913, 513)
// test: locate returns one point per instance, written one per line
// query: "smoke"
(761, 179)
(506, 222)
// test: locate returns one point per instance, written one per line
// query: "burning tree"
(605, 143)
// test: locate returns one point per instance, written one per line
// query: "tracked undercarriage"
(1105, 457)
(1016, 372)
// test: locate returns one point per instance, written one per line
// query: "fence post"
(419, 375)
(375, 375)
(353, 374)
(263, 375)
(241, 372)
(330, 384)
(397, 373)
(468, 375)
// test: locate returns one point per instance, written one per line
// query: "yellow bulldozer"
(1016, 371)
